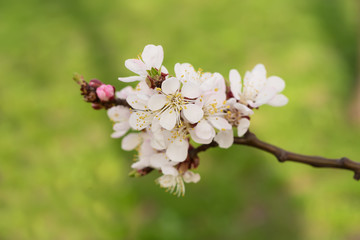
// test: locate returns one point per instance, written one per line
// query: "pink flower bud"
(105, 92)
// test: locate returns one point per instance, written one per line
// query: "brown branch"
(282, 155)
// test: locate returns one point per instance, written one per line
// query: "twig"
(282, 155)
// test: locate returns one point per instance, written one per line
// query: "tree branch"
(282, 155)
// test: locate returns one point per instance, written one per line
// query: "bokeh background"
(63, 177)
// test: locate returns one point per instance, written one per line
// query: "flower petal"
(259, 70)
(177, 150)
(140, 120)
(153, 56)
(193, 113)
(235, 83)
(219, 123)
(243, 126)
(140, 164)
(190, 90)
(190, 176)
(120, 129)
(136, 66)
(125, 92)
(225, 138)
(157, 102)
(132, 79)
(137, 101)
(168, 119)
(118, 113)
(169, 170)
(278, 101)
(204, 130)
(265, 95)
(170, 85)
(158, 160)
(131, 141)
(164, 70)
(276, 82)
(185, 72)
(199, 140)
(244, 110)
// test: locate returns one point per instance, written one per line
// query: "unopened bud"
(96, 106)
(95, 83)
(105, 92)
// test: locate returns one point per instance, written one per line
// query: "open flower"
(151, 57)
(207, 82)
(215, 110)
(147, 155)
(170, 102)
(175, 183)
(257, 89)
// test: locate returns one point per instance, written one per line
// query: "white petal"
(137, 101)
(125, 92)
(140, 164)
(136, 66)
(243, 126)
(168, 119)
(157, 102)
(235, 83)
(278, 101)
(132, 79)
(140, 120)
(153, 56)
(193, 113)
(179, 71)
(168, 170)
(265, 95)
(225, 138)
(219, 123)
(244, 110)
(259, 70)
(158, 142)
(204, 130)
(120, 129)
(158, 160)
(217, 98)
(118, 113)
(164, 70)
(185, 72)
(170, 85)
(131, 141)
(276, 82)
(177, 150)
(213, 83)
(190, 90)
(200, 140)
(190, 176)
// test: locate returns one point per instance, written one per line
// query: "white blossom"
(257, 89)
(175, 183)
(151, 57)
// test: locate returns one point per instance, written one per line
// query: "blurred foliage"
(63, 177)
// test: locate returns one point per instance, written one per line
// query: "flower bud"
(96, 106)
(95, 83)
(105, 92)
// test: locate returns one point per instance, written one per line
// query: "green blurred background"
(63, 177)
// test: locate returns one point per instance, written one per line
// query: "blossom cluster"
(168, 113)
